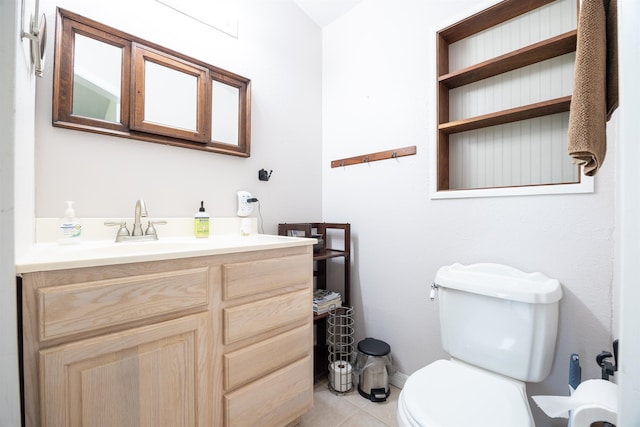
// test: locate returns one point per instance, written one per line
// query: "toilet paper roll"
(586, 415)
(593, 400)
(341, 375)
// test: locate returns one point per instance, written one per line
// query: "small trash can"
(372, 361)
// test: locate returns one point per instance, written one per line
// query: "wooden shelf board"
(317, 317)
(329, 253)
(488, 18)
(545, 108)
(532, 54)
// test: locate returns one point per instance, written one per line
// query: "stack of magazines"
(324, 300)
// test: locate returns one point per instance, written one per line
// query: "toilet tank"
(499, 318)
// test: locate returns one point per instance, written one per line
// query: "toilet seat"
(448, 393)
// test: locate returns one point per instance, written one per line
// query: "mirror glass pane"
(225, 113)
(171, 97)
(97, 71)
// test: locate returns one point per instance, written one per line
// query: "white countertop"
(53, 256)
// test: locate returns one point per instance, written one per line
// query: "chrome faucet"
(140, 211)
(137, 233)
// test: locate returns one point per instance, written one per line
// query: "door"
(157, 375)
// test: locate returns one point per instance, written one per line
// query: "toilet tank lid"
(500, 281)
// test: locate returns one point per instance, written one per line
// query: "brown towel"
(595, 90)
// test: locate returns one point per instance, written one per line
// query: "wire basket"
(341, 349)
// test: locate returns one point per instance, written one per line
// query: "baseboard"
(398, 379)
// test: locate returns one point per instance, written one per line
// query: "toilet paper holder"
(593, 400)
(606, 366)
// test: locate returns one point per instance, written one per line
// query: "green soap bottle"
(201, 222)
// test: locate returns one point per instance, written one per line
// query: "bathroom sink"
(52, 256)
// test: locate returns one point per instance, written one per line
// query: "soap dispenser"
(201, 222)
(70, 227)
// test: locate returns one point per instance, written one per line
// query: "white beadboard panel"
(545, 22)
(545, 80)
(530, 152)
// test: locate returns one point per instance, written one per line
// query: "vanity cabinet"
(220, 340)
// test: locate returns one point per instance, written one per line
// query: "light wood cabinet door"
(157, 375)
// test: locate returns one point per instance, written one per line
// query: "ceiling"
(323, 12)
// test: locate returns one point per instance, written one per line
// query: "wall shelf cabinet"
(447, 80)
(323, 254)
(144, 91)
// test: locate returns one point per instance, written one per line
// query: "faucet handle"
(122, 231)
(151, 231)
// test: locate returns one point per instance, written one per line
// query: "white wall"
(379, 93)
(628, 232)
(17, 86)
(9, 395)
(278, 48)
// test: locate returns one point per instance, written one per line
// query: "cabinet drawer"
(256, 360)
(248, 278)
(247, 320)
(274, 400)
(69, 309)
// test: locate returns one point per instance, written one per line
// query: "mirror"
(165, 86)
(170, 95)
(96, 79)
(224, 120)
(107, 81)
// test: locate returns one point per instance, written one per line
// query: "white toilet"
(499, 325)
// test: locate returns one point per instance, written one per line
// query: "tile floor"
(349, 410)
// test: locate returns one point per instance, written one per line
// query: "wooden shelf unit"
(447, 80)
(320, 258)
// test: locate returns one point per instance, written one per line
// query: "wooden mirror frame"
(68, 24)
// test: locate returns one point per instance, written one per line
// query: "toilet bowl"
(499, 326)
(449, 393)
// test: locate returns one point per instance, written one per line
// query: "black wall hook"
(263, 175)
